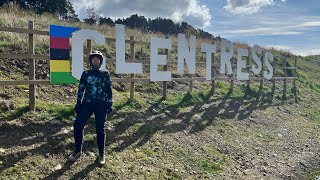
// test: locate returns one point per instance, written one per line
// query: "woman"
(94, 96)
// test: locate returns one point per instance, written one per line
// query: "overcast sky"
(292, 25)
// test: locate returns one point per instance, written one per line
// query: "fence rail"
(132, 80)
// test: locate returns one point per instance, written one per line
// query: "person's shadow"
(68, 165)
(56, 174)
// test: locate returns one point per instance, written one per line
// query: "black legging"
(100, 111)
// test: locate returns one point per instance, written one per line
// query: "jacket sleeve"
(82, 87)
(109, 88)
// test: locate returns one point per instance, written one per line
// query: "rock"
(119, 87)
(92, 154)
(2, 150)
(1, 162)
(247, 172)
(303, 164)
(280, 135)
(16, 156)
(71, 90)
(154, 111)
(111, 129)
(156, 148)
(54, 122)
(168, 113)
(58, 167)
(4, 105)
(66, 131)
(307, 145)
(169, 170)
(40, 135)
(29, 153)
(196, 117)
(12, 105)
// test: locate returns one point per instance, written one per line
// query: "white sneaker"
(74, 156)
(101, 159)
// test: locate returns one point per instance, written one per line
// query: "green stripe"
(62, 78)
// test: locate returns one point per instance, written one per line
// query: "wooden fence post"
(285, 78)
(261, 77)
(232, 82)
(294, 80)
(248, 70)
(89, 50)
(132, 56)
(32, 88)
(213, 87)
(191, 83)
(165, 68)
(274, 76)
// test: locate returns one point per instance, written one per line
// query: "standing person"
(94, 96)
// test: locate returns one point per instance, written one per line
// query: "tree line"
(63, 9)
(163, 25)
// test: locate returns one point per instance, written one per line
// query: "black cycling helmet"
(97, 54)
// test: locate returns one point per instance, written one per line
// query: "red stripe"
(59, 43)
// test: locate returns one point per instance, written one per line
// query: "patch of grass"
(57, 111)
(214, 163)
(211, 167)
(31, 167)
(126, 105)
(313, 114)
(23, 87)
(181, 100)
(18, 112)
(44, 112)
(4, 43)
(313, 175)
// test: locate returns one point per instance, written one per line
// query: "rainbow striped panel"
(60, 65)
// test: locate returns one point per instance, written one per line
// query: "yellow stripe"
(60, 66)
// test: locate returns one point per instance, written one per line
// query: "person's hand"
(109, 109)
(78, 108)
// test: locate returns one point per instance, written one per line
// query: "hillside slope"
(244, 134)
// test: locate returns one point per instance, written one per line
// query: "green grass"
(30, 168)
(44, 112)
(314, 175)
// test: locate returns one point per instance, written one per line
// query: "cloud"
(179, 10)
(310, 24)
(296, 51)
(262, 31)
(247, 6)
(280, 47)
(276, 29)
(309, 52)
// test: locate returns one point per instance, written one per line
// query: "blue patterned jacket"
(95, 86)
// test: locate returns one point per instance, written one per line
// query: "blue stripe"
(62, 31)
(59, 54)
